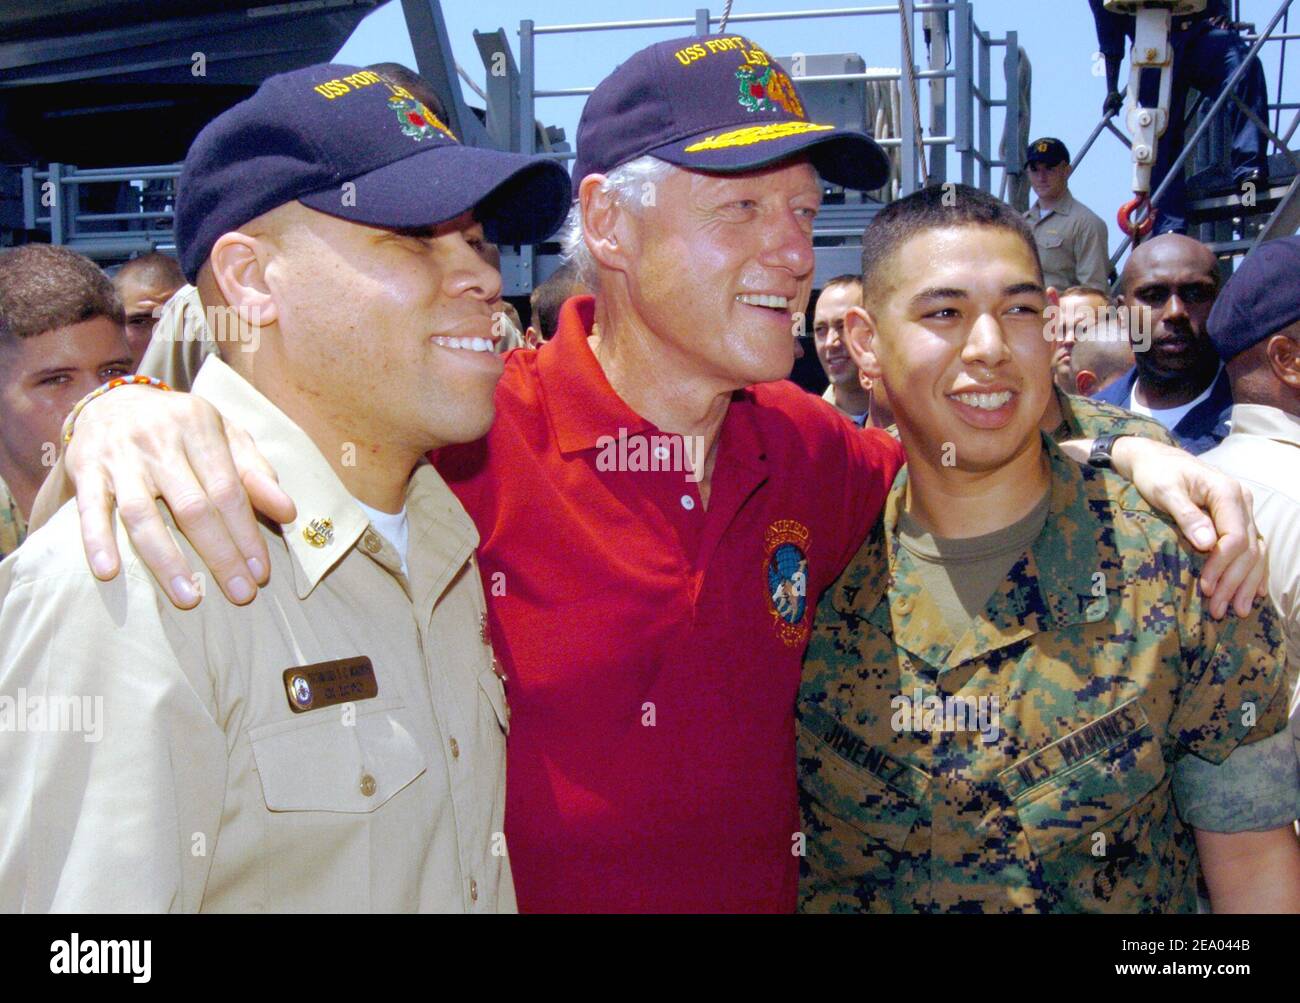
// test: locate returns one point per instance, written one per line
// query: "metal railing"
(54, 198)
(923, 148)
(972, 78)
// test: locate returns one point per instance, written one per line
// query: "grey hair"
(626, 184)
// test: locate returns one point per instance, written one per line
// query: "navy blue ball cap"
(347, 142)
(1261, 298)
(715, 103)
(1047, 151)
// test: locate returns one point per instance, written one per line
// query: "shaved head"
(1107, 359)
(1172, 280)
(144, 284)
(1165, 250)
(154, 268)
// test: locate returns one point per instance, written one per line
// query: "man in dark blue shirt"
(1206, 50)
(1168, 286)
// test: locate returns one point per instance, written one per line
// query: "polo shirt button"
(904, 605)
(661, 452)
(688, 502)
(455, 749)
(367, 785)
(473, 890)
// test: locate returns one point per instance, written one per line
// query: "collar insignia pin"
(319, 532)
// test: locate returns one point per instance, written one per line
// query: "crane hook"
(1125, 216)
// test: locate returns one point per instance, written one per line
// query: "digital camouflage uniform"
(1101, 685)
(13, 527)
(1085, 418)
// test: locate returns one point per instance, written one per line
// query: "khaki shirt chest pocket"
(1050, 240)
(1085, 804)
(859, 793)
(322, 762)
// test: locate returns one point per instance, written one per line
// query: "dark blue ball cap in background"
(1047, 151)
(346, 142)
(715, 103)
(1261, 298)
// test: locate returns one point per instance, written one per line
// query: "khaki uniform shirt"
(207, 788)
(13, 527)
(1071, 242)
(828, 395)
(181, 341)
(1263, 449)
(1043, 782)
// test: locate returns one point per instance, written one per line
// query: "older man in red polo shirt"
(657, 512)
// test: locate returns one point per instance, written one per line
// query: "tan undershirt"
(960, 575)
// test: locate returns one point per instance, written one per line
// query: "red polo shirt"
(653, 646)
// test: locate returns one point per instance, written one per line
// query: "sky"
(1058, 36)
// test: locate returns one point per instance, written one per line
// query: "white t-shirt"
(394, 527)
(1169, 416)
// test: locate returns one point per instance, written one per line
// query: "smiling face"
(43, 376)
(828, 332)
(958, 338)
(720, 267)
(386, 336)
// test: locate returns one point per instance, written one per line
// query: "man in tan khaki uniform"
(1071, 238)
(1255, 329)
(181, 341)
(338, 743)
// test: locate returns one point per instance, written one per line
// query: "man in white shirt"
(1178, 379)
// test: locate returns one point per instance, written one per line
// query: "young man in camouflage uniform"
(62, 333)
(1001, 685)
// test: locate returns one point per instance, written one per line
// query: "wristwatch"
(1101, 450)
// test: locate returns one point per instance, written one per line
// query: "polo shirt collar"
(1265, 421)
(580, 403)
(330, 521)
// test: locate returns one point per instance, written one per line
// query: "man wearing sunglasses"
(1178, 379)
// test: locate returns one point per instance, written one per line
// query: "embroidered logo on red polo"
(785, 547)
